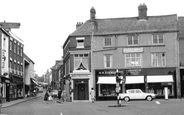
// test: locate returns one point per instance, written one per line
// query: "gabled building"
(144, 49)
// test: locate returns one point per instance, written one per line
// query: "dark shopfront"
(147, 79)
(16, 88)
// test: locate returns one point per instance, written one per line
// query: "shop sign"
(131, 50)
(80, 76)
(106, 72)
(134, 71)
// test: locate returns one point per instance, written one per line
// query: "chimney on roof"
(142, 12)
(92, 14)
(78, 24)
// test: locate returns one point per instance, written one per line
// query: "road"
(155, 107)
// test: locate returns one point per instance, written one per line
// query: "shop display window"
(158, 88)
(13, 91)
(107, 90)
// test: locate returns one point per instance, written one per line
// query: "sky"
(46, 24)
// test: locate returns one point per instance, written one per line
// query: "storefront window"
(158, 88)
(13, 91)
(107, 90)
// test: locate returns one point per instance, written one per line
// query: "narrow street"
(155, 107)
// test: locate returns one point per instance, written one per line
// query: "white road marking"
(157, 102)
(61, 113)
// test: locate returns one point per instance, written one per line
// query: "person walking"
(59, 95)
(46, 96)
(92, 93)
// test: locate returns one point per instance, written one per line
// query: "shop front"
(4, 88)
(15, 88)
(80, 86)
(147, 79)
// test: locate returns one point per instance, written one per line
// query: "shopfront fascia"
(147, 79)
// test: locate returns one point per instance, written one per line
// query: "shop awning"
(106, 80)
(34, 81)
(134, 79)
(159, 78)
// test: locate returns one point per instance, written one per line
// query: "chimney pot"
(142, 12)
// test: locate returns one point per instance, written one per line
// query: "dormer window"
(80, 42)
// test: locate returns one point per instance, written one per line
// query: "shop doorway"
(81, 89)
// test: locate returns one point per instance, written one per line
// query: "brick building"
(145, 49)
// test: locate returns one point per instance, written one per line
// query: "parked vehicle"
(136, 94)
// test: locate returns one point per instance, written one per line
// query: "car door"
(139, 94)
(132, 94)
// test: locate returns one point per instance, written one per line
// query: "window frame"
(132, 40)
(131, 59)
(107, 42)
(162, 60)
(81, 57)
(80, 44)
(157, 38)
(106, 61)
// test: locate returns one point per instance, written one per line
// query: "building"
(78, 79)
(16, 48)
(181, 52)
(144, 49)
(57, 71)
(4, 70)
(30, 82)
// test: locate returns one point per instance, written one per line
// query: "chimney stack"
(142, 12)
(92, 14)
(78, 24)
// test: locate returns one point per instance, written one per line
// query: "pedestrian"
(64, 95)
(59, 95)
(50, 97)
(92, 93)
(46, 96)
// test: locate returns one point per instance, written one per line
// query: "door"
(81, 89)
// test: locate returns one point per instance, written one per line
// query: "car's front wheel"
(149, 98)
(127, 99)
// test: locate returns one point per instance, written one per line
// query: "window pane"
(161, 40)
(107, 41)
(133, 59)
(155, 39)
(135, 39)
(108, 60)
(158, 59)
(130, 40)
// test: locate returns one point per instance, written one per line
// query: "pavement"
(14, 102)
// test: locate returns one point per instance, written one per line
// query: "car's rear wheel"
(127, 99)
(149, 98)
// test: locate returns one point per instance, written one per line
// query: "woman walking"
(92, 93)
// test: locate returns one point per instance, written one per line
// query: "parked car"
(136, 94)
(55, 93)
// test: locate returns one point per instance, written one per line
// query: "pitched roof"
(128, 25)
(181, 27)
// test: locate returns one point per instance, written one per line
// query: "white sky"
(46, 24)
